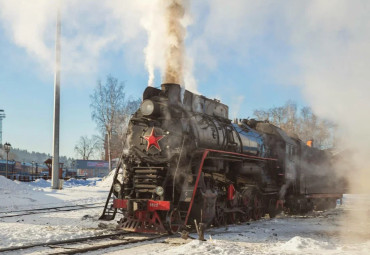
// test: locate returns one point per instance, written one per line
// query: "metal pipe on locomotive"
(186, 160)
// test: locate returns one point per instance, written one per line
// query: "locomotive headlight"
(159, 190)
(117, 187)
(148, 107)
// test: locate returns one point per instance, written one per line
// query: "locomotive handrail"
(241, 155)
(205, 154)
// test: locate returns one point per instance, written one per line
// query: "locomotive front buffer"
(142, 215)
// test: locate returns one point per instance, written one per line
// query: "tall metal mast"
(55, 168)
(2, 116)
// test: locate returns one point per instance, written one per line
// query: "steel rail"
(49, 209)
(75, 240)
(52, 245)
(45, 208)
(107, 246)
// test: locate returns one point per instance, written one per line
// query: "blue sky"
(247, 56)
(26, 95)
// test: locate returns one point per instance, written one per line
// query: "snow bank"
(301, 244)
(8, 186)
(209, 247)
(79, 182)
(15, 195)
(41, 183)
(107, 180)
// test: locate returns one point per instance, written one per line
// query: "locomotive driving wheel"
(257, 206)
(246, 205)
(233, 217)
(220, 214)
(272, 209)
(173, 221)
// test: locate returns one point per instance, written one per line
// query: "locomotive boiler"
(187, 162)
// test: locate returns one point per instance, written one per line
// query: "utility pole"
(55, 168)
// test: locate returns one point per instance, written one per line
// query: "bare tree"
(289, 117)
(305, 123)
(111, 111)
(121, 125)
(261, 114)
(86, 147)
(106, 102)
(123, 119)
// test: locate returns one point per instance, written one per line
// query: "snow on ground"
(316, 233)
(17, 195)
(319, 232)
(22, 230)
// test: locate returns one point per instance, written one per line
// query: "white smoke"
(328, 57)
(330, 42)
(27, 23)
(328, 54)
(166, 27)
(154, 24)
(90, 28)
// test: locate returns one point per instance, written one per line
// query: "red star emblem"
(153, 140)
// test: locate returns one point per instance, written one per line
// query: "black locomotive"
(187, 161)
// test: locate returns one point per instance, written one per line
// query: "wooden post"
(202, 227)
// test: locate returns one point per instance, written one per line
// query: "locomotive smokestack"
(173, 92)
(166, 86)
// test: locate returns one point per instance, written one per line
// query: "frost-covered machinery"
(187, 161)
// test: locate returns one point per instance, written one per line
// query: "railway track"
(49, 209)
(82, 245)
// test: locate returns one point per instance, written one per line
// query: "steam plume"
(328, 58)
(175, 49)
(166, 27)
(89, 29)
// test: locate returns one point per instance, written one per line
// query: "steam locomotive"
(187, 162)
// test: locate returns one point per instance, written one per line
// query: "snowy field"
(320, 232)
